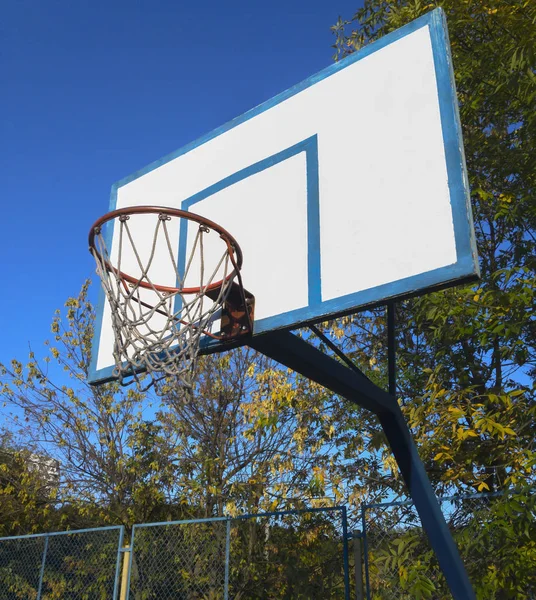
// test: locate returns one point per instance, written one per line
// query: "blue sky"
(93, 91)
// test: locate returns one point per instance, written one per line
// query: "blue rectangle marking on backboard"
(310, 147)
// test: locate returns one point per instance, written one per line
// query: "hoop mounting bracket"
(237, 312)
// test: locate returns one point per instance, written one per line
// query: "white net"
(158, 328)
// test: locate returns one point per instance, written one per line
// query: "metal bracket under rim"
(237, 312)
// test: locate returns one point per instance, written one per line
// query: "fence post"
(125, 580)
(227, 553)
(345, 554)
(358, 565)
(118, 562)
(42, 572)
(365, 549)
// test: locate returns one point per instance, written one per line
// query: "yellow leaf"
(457, 412)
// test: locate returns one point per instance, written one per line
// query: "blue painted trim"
(102, 375)
(314, 276)
(458, 180)
(23, 537)
(184, 522)
(346, 304)
(105, 375)
(298, 511)
(310, 147)
(464, 269)
(68, 532)
(242, 517)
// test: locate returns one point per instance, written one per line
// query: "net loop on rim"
(157, 328)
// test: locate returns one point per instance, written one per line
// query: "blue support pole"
(302, 357)
(42, 571)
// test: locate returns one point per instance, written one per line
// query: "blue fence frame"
(228, 523)
(42, 562)
(46, 537)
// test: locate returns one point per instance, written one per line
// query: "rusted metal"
(237, 310)
(233, 248)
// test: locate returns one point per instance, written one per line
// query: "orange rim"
(232, 246)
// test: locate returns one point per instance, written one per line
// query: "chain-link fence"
(285, 555)
(67, 565)
(298, 555)
(184, 559)
(495, 534)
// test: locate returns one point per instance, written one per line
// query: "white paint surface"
(385, 211)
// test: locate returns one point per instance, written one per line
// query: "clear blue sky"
(93, 91)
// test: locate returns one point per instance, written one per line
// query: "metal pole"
(391, 347)
(42, 572)
(365, 549)
(358, 565)
(227, 553)
(118, 562)
(130, 555)
(297, 354)
(345, 554)
(125, 584)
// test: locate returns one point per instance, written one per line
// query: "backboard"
(345, 191)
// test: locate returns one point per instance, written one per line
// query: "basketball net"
(158, 329)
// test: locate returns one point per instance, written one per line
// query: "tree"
(467, 356)
(254, 436)
(116, 465)
(27, 495)
(251, 436)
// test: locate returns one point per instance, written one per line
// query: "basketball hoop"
(158, 329)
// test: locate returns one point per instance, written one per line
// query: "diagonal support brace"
(302, 357)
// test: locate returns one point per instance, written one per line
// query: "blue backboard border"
(466, 267)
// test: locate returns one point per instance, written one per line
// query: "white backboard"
(345, 191)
